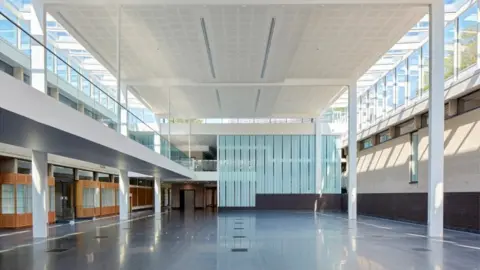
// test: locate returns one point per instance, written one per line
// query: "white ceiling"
(164, 46)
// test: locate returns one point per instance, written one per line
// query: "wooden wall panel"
(82, 212)
(24, 219)
(8, 221)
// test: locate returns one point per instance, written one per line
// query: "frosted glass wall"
(250, 165)
(330, 164)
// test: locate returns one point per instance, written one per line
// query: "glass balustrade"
(70, 86)
(204, 165)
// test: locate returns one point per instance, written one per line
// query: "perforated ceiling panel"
(237, 45)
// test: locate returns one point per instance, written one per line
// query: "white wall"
(207, 176)
(240, 129)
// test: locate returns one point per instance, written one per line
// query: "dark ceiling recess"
(267, 48)
(207, 45)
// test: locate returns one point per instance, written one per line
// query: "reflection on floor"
(240, 240)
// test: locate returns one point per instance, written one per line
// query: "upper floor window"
(414, 75)
(449, 50)
(467, 38)
(367, 143)
(390, 90)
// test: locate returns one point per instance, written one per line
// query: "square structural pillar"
(436, 120)
(124, 189)
(40, 194)
(158, 195)
(38, 61)
(55, 93)
(352, 151)
(18, 73)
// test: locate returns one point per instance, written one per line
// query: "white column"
(169, 126)
(123, 120)
(318, 155)
(122, 89)
(39, 194)
(436, 121)
(37, 58)
(189, 138)
(124, 189)
(352, 151)
(158, 137)
(158, 195)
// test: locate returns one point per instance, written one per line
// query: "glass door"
(64, 200)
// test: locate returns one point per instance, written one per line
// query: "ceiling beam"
(287, 82)
(235, 2)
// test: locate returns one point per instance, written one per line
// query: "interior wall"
(385, 190)
(199, 194)
(385, 168)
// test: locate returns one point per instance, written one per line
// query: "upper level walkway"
(31, 119)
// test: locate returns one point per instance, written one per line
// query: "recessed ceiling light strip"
(257, 100)
(207, 45)
(267, 49)
(218, 100)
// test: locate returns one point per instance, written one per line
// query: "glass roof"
(66, 45)
(410, 42)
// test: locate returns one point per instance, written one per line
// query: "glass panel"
(24, 199)
(401, 72)
(425, 69)
(20, 199)
(8, 31)
(96, 199)
(85, 175)
(8, 199)
(74, 75)
(24, 38)
(108, 197)
(414, 161)
(367, 143)
(50, 58)
(449, 50)
(24, 166)
(52, 198)
(103, 177)
(413, 75)
(62, 68)
(468, 27)
(371, 101)
(384, 136)
(381, 98)
(390, 91)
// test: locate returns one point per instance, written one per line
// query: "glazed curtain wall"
(250, 165)
(330, 164)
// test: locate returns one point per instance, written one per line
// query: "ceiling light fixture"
(207, 45)
(218, 100)
(257, 100)
(267, 49)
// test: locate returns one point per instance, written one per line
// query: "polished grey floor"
(240, 240)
